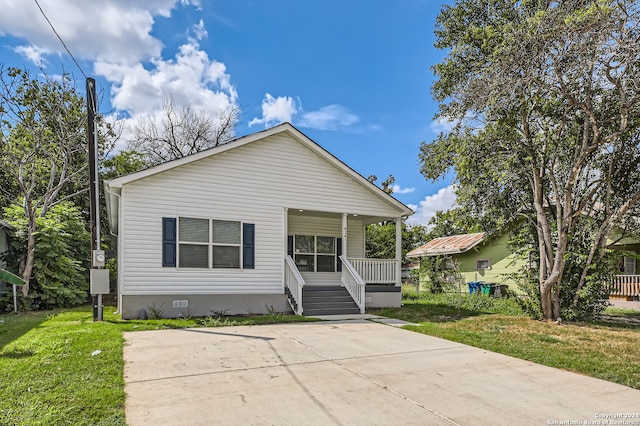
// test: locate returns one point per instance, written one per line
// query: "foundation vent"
(180, 303)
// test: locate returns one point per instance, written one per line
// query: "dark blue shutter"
(248, 246)
(338, 254)
(169, 241)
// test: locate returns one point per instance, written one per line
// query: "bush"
(61, 256)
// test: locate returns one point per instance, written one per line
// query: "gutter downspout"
(118, 296)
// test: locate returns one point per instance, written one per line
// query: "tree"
(453, 222)
(380, 238)
(42, 149)
(61, 254)
(545, 96)
(178, 132)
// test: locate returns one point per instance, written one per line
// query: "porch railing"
(353, 283)
(625, 285)
(294, 283)
(376, 271)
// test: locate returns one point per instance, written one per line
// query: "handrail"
(353, 283)
(376, 271)
(295, 283)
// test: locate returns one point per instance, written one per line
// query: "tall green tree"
(43, 154)
(380, 238)
(545, 96)
(61, 254)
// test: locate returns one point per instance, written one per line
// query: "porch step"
(327, 300)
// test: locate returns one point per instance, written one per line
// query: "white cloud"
(200, 31)
(443, 200)
(191, 78)
(398, 190)
(443, 125)
(330, 117)
(33, 53)
(119, 42)
(115, 31)
(276, 110)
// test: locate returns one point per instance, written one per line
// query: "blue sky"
(352, 75)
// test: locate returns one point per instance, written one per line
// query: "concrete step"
(327, 300)
(316, 312)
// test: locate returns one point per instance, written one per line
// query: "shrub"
(61, 256)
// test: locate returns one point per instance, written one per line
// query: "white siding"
(330, 227)
(252, 183)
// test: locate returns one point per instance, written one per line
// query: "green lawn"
(607, 349)
(52, 375)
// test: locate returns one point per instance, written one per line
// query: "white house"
(268, 221)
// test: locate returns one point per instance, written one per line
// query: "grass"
(52, 374)
(607, 349)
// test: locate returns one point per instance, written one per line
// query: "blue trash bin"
(474, 286)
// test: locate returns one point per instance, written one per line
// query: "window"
(207, 243)
(226, 244)
(629, 265)
(193, 239)
(315, 254)
(483, 263)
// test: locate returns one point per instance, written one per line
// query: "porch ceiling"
(366, 219)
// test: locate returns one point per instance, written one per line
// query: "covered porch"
(326, 268)
(625, 287)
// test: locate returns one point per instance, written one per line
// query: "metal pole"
(94, 184)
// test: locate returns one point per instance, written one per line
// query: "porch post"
(344, 234)
(398, 221)
(285, 250)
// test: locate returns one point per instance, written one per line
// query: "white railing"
(625, 285)
(353, 282)
(295, 283)
(376, 271)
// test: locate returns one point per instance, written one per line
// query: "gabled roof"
(448, 245)
(113, 186)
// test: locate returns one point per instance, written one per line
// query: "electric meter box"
(99, 281)
(99, 259)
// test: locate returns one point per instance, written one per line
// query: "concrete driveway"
(354, 372)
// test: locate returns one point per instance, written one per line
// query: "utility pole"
(99, 277)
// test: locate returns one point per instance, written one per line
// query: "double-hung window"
(226, 244)
(193, 242)
(207, 243)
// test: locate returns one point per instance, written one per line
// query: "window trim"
(632, 263)
(315, 252)
(486, 259)
(210, 244)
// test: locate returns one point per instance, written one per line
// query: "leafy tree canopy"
(545, 96)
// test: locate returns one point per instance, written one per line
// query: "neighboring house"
(626, 285)
(265, 222)
(476, 258)
(4, 246)
(492, 261)
(4, 236)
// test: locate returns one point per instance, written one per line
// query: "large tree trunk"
(27, 266)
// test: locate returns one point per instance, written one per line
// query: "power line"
(60, 38)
